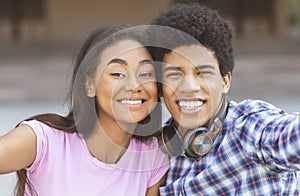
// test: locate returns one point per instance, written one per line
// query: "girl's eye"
(146, 75)
(118, 75)
(174, 74)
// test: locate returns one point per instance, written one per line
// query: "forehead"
(191, 54)
(124, 48)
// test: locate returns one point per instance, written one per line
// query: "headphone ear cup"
(188, 141)
(169, 141)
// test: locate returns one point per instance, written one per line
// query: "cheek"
(104, 97)
(215, 86)
(167, 92)
(172, 85)
(169, 96)
(151, 89)
(105, 88)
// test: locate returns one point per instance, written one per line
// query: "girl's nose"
(132, 83)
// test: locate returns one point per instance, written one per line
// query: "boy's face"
(192, 85)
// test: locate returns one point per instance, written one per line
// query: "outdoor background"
(39, 40)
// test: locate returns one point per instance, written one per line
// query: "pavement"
(34, 79)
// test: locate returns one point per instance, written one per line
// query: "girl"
(105, 144)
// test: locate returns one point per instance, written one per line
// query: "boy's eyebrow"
(173, 68)
(205, 66)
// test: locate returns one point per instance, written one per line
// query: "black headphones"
(195, 142)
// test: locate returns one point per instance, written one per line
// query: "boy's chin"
(190, 123)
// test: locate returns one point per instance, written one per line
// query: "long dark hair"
(82, 113)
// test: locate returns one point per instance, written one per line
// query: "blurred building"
(259, 18)
(55, 20)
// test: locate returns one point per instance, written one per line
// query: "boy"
(218, 147)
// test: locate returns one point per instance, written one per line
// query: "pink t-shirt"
(64, 166)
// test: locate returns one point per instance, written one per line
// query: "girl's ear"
(226, 82)
(90, 87)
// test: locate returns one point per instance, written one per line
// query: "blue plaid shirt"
(256, 153)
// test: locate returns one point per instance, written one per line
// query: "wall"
(69, 19)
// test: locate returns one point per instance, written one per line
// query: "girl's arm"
(154, 190)
(17, 149)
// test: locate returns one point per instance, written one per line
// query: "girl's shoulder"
(43, 130)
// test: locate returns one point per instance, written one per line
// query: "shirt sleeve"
(280, 143)
(270, 136)
(38, 129)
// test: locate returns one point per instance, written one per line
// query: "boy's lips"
(190, 105)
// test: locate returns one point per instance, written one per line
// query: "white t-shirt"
(64, 166)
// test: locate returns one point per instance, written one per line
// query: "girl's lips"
(132, 103)
(132, 100)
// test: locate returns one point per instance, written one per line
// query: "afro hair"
(205, 25)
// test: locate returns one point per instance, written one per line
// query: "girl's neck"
(108, 142)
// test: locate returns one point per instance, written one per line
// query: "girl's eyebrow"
(117, 60)
(146, 61)
(171, 68)
(123, 62)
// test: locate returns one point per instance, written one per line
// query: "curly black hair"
(203, 24)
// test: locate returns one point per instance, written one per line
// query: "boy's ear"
(90, 87)
(226, 82)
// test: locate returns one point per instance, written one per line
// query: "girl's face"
(124, 83)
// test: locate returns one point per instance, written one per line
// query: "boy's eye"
(118, 75)
(203, 73)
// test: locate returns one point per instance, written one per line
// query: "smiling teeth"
(190, 104)
(131, 102)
